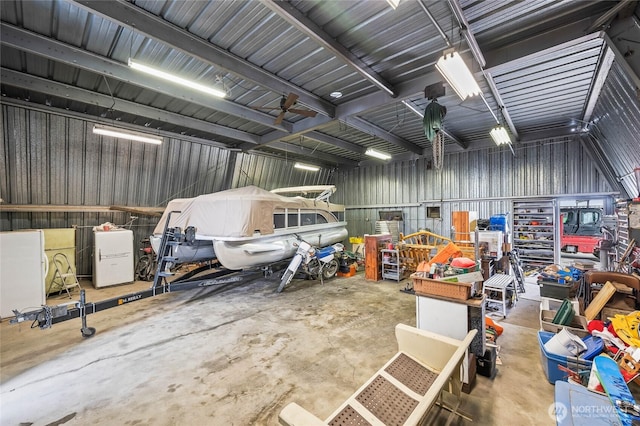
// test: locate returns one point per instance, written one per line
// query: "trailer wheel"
(88, 331)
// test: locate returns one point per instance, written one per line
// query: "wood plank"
(66, 208)
(599, 301)
(143, 211)
(57, 208)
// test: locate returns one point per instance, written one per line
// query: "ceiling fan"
(285, 106)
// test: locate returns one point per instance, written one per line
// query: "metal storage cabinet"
(112, 257)
(536, 234)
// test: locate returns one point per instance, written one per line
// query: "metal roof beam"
(297, 19)
(365, 126)
(555, 40)
(64, 91)
(136, 19)
(333, 141)
(60, 52)
(300, 150)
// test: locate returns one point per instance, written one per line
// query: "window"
(307, 219)
(590, 217)
(292, 220)
(278, 220)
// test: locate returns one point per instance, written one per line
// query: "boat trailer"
(46, 316)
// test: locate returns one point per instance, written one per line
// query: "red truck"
(580, 228)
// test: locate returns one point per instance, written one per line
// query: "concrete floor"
(237, 354)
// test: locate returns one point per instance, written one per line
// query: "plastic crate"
(550, 362)
(422, 284)
(556, 290)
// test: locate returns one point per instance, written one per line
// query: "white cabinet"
(454, 318)
(23, 268)
(112, 257)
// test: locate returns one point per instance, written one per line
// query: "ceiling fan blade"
(304, 112)
(279, 118)
(291, 99)
(267, 108)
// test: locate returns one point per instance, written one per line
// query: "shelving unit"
(628, 231)
(536, 235)
(622, 224)
(391, 265)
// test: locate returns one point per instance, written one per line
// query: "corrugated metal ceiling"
(73, 55)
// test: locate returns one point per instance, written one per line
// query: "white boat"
(249, 227)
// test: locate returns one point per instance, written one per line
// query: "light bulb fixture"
(455, 71)
(306, 167)
(126, 134)
(175, 79)
(377, 154)
(500, 136)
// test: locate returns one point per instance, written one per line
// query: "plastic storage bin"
(550, 362)
(556, 290)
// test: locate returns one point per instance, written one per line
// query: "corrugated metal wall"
(482, 181)
(616, 129)
(52, 159)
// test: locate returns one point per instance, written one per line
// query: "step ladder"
(64, 278)
(170, 238)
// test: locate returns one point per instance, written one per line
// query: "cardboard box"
(578, 326)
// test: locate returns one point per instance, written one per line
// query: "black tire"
(286, 279)
(330, 269)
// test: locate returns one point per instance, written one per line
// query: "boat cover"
(239, 212)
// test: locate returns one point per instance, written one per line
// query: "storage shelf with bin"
(392, 268)
(535, 231)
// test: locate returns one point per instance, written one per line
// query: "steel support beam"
(298, 20)
(60, 52)
(136, 19)
(51, 88)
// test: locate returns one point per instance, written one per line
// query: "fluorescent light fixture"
(393, 3)
(500, 136)
(455, 71)
(306, 167)
(175, 79)
(377, 154)
(126, 134)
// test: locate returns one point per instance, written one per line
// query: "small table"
(499, 283)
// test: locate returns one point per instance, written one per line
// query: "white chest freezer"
(112, 257)
(23, 268)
